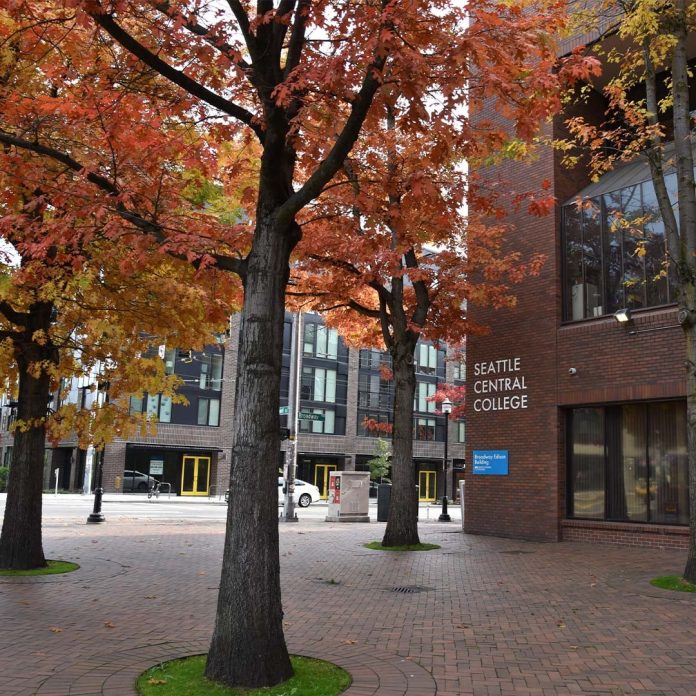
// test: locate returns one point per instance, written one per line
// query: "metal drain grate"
(410, 589)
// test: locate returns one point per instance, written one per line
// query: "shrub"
(4, 472)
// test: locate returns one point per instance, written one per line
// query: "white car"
(305, 493)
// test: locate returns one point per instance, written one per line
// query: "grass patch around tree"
(377, 546)
(53, 568)
(185, 677)
(673, 582)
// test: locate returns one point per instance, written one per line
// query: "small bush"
(4, 473)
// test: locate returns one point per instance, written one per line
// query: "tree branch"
(11, 314)
(107, 23)
(227, 263)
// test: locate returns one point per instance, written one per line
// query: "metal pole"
(444, 516)
(289, 514)
(97, 516)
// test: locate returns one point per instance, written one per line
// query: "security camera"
(572, 371)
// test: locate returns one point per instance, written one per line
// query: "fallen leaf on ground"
(55, 629)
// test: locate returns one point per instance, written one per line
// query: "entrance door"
(195, 476)
(426, 486)
(321, 478)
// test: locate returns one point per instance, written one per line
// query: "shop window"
(629, 463)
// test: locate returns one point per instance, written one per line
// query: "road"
(74, 508)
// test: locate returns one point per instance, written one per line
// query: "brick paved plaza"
(480, 616)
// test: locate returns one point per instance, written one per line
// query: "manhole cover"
(410, 589)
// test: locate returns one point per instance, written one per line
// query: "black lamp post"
(446, 407)
(97, 516)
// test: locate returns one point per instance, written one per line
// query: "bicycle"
(154, 491)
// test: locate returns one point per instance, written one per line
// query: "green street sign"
(283, 410)
(310, 416)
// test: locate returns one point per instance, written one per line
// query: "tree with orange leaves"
(391, 243)
(299, 77)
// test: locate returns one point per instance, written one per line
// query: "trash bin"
(383, 498)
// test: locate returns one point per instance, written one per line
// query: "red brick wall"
(644, 535)
(525, 503)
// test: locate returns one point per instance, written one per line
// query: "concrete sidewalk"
(479, 616)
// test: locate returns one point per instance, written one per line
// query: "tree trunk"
(402, 523)
(690, 331)
(20, 541)
(248, 646)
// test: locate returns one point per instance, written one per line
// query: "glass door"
(427, 481)
(321, 478)
(195, 475)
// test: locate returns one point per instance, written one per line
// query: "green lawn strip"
(185, 678)
(673, 582)
(377, 546)
(53, 568)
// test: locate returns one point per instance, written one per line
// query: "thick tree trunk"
(248, 646)
(20, 541)
(690, 331)
(402, 523)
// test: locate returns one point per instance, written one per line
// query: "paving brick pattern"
(481, 616)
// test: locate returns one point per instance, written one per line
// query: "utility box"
(349, 496)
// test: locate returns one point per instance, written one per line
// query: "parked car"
(305, 493)
(137, 481)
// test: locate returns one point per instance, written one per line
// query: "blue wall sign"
(491, 462)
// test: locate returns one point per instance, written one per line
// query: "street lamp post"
(97, 516)
(446, 407)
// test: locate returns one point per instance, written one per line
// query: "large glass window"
(629, 463)
(615, 253)
(424, 429)
(158, 407)
(320, 341)
(318, 384)
(374, 392)
(424, 390)
(426, 359)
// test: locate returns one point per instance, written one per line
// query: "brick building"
(576, 421)
(339, 388)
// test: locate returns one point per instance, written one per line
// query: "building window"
(366, 418)
(424, 429)
(326, 426)
(209, 412)
(374, 392)
(459, 372)
(320, 341)
(461, 431)
(614, 252)
(629, 463)
(159, 407)
(318, 384)
(169, 361)
(211, 372)
(371, 359)
(424, 390)
(426, 359)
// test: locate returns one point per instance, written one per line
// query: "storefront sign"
(156, 467)
(499, 385)
(491, 462)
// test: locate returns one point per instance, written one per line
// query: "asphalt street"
(74, 507)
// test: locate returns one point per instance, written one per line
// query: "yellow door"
(321, 478)
(195, 476)
(426, 486)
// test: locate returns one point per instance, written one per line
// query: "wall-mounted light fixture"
(622, 315)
